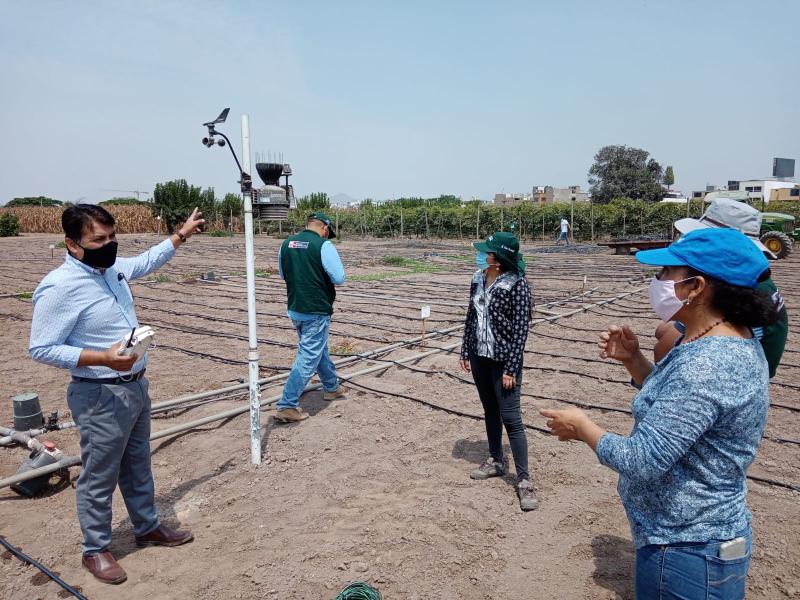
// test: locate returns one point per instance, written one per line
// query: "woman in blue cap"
(495, 333)
(698, 419)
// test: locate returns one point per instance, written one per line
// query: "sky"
(384, 99)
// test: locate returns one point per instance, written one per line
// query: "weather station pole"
(252, 334)
(246, 183)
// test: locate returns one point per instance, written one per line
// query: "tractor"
(778, 233)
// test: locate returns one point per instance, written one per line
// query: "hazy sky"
(391, 98)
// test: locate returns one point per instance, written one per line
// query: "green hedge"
(621, 217)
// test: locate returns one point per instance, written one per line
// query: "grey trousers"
(114, 424)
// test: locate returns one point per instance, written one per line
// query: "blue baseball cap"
(724, 254)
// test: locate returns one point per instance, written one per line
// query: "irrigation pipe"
(341, 362)
(239, 410)
(10, 435)
(367, 355)
(578, 403)
(72, 461)
(461, 413)
(30, 561)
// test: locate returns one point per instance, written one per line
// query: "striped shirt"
(78, 307)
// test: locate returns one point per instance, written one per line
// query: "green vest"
(774, 338)
(308, 286)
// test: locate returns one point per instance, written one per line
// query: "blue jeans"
(691, 571)
(563, 236)
(312, 356)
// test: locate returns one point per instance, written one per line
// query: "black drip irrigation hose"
(30, 561)
(461, 413)
(451, 411)
(578, 403)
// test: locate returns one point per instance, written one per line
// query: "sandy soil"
(373, 487)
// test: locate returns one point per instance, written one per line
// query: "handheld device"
(735, 548)
(137, 341)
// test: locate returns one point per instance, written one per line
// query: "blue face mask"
(482, 260)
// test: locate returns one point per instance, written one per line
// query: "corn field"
(47, 219)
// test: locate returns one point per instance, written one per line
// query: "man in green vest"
(310, 265)
(725, 212)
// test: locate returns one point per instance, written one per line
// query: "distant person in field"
(310, 265)
(698, 419)
(725, 212)
(81, 311)
(495, 333)
(564, 230)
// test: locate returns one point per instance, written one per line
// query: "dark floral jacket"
(509, 315)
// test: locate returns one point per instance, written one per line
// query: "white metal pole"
(252, 334)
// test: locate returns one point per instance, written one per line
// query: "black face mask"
(100, 258)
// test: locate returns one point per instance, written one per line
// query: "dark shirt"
(509, 312)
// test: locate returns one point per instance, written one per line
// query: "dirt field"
(373, 487)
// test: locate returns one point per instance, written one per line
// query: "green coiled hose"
(359, 590)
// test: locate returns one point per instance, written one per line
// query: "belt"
(111, 380)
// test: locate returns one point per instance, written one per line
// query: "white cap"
(728, 213)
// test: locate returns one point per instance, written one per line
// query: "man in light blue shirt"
(310, 265)
(81, 311)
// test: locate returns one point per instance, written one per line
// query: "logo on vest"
(296, 244)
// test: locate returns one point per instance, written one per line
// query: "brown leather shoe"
(103, 566)
(165, 536)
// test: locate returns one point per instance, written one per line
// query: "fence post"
(478, 224)
(502, 218)
(572, 219)
(427, 227)
(401, 222)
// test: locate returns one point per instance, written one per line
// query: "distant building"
(511, 199)
(756, 190)
(785, 194)
(544, 194)
(547, 194)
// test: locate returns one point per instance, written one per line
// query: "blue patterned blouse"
(698, 421)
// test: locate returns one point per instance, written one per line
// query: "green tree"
(314, 202)
(669, 177)
(9, 225)
(175, 200)
(230, 206)
(33, 201)
(622, 171)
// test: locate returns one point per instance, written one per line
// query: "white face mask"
(663, 299)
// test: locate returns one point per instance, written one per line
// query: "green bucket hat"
(321, 216)
(505, 246)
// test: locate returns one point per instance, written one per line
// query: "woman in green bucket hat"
(495, 333)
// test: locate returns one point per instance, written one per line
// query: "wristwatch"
(180, 235)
